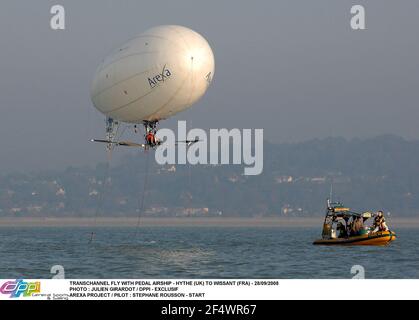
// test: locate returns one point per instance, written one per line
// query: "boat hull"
(373, 239)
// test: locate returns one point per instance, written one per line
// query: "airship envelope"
(160, 73)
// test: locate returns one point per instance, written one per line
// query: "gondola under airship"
(154, 76)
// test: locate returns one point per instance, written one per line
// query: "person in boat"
(356, 226)
(342, 230)
(380, 224)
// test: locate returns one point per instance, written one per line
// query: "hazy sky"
(294, 68)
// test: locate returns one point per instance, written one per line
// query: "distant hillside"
(372, 174)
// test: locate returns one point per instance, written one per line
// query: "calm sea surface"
(199, 252)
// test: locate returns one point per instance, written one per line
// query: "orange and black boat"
(341, 219)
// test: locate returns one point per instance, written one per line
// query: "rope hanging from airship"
(102, 198)
(142, 196)
(106, 185)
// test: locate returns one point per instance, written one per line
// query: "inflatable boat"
(351, 228)
(371, 239)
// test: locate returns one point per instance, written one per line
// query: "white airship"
(152, 77)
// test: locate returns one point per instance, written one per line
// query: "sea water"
(197, 252)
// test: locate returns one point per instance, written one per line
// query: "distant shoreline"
(185, 222)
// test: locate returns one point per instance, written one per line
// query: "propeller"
(120, 143)
(188, 142)
(138, 145)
